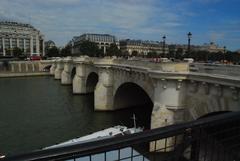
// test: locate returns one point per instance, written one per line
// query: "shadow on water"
(37, 112)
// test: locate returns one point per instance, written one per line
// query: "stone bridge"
(176, 92)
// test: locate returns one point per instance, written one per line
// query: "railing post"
(195, 144)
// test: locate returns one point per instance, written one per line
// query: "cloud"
(60, 20)
(54, 16)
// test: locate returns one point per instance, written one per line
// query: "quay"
(12, 75)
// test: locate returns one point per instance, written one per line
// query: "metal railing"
(214, 138)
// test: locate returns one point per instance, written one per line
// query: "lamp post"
(189, 39)
(224, 51)
(164, 39)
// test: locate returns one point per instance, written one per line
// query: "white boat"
(103, 134)
(2, 156)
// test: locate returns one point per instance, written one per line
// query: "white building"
(102, 40)
(23, 36)
(212, 48)
(143, 47)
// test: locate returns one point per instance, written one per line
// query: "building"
(212, 48)
(183, 48)
(143, 47)
(23, 36)
(102, 40)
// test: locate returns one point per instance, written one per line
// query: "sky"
(60, 20)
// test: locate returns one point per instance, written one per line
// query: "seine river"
(38, 111)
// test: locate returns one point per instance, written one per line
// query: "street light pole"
(224, 51)
(164, 39)
(189, 39)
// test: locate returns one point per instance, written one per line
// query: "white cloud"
(54, 16)
(60, 20)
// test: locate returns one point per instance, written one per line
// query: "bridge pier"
(80, 78)
(66, 78)
(53, 67)
(103, 95)
(59, 69)
(169, 106)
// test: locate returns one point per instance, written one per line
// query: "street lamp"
(189, 39)
(164, 39)
(224, 51)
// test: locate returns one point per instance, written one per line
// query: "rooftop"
(15, 24)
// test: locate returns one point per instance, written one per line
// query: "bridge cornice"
(215, 79)
(168, 75)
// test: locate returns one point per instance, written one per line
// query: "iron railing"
(214, 138)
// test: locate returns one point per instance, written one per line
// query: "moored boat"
(115, 131)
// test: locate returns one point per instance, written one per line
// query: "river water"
(38, 111)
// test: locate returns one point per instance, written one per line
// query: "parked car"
(35, 57)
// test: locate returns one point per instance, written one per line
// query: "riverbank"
(9, 74)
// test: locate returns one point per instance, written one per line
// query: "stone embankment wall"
(24, 66)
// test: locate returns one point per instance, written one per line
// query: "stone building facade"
(23, 36)
(102, 40)
(212, 48)
(143, 47)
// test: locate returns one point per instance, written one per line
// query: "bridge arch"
(47, 68)
(205, 110)
(132, 95)
(91, 82)
(213, 114)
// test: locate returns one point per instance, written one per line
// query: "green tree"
(52, 52)
(134, 53)
(8, 51)
(90, 48)
(179, 53)
(17, 52)
(124, 53)
(113, 50)
(66, 51)
(151, 54)
(172, 51)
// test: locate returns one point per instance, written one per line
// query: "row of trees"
(86, 48)
(16, 52)
(56, 52)
(91, 49)
(206, 56)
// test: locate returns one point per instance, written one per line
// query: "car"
(35, 57)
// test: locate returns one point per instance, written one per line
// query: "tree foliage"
(52, 52)
(66, 51)
(152, 54)
(90, 48)
(113, 50)
(134, 53)
(17, 52)
(205, 56)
